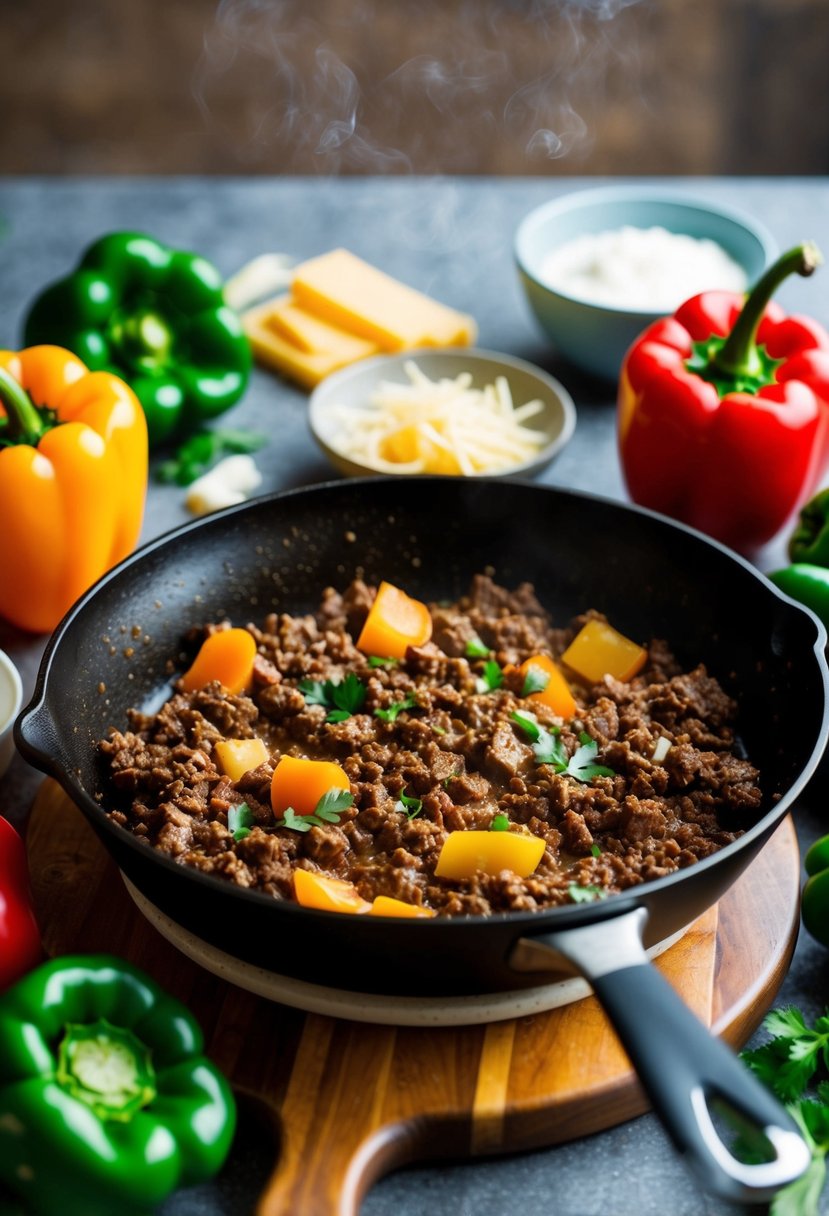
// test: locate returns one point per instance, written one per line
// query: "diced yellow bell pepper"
(385, 905)
(464, 853)
(327, 894)
(239, 756)
(557, 693)
(598, 650)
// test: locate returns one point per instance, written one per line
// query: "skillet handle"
(680, 1065)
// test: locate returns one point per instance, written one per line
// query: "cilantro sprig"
(536, 680)
(549, 749)
(328, 810)
(409, 805)
(390, 714)
(790, 1065)
(500, 823)
(204, 449)
(492, 678)
(476, 649)
(341, 698)
(585, 894)
(239, 821)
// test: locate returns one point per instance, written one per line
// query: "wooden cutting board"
(352, 1101)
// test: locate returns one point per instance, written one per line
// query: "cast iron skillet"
(651, 577)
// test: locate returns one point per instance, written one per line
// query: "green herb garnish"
(549, 749)
(390, 714)
(585, 895)
(376, 660)
(536, 680)
(239, 820)
(410, 806)
(492, 678)
(204, 449)
(342, 698)
(788, 1065)
(475, 649)
(500, 823)
(595, 850)
(328, 810)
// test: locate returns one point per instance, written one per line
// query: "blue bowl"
(596, 337)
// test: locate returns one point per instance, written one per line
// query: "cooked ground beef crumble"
(456, 749)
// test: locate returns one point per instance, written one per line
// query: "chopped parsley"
(492, 678)
(585, 895)
(376, 660)
(342, 698)
(328, 810)
(239, 820)
(595, 850)
(390, 714)
(536, 680)
(549, 749)
(409, 806)
(500, 823)
(475, 649)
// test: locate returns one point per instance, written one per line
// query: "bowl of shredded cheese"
(598, 266)
(464, 412)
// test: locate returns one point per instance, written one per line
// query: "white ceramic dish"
(597, 336)
(11, 697)
(353, 387)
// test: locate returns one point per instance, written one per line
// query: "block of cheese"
(311, 333)
(274, 349)
(346, 291)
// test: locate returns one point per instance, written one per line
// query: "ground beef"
(454, 753)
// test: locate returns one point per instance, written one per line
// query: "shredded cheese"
(437, 426)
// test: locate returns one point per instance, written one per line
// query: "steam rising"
(317, 88)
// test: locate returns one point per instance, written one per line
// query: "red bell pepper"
(20, 948)
(723, 418)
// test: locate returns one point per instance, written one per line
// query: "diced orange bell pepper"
(327, 894)
(300, 783)
(385, 905)
(557, 693)
(226, 656)
(464, 853)
(394, 623)
(73, 480)
(598, 650)
(239, 756)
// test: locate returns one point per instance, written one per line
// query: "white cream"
(644, 269)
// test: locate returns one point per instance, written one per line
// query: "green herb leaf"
(500, 823)
(343, 698)
(328, 810)
(376, 660)
(595, 850)
(536, 680)
(492, 679)
(581, 764)
(410, 806)
(475, 649)
(239, 820)
(390, 714)
(529, 725)
(202, 450)
(585, 895)
(549, 749)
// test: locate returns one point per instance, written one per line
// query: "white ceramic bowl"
(597, 336)
(352, 388)
(11, 697)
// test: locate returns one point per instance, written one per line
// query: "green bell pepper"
(107, 1103)
(157, 318)
(809, 542)
(807, 584)
(814, 903)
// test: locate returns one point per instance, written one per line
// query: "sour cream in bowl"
(11, 696)
(598, 266)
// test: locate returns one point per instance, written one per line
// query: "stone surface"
(451, 237)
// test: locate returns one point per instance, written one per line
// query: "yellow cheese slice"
(343, 289)
(311, 333)
(306, 367)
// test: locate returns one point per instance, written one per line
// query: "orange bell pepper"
(556, 692)
(300, 783)
(73, 481)
(491, 852)
(226, 656)
(395, 622)
(598, 649)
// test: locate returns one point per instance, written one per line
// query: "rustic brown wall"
(425, 86)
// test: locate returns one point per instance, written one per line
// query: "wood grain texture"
(352, 1101)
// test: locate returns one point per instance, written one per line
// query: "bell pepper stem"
(739, 352)
(25, 423)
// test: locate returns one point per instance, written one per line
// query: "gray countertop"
(450, 237)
